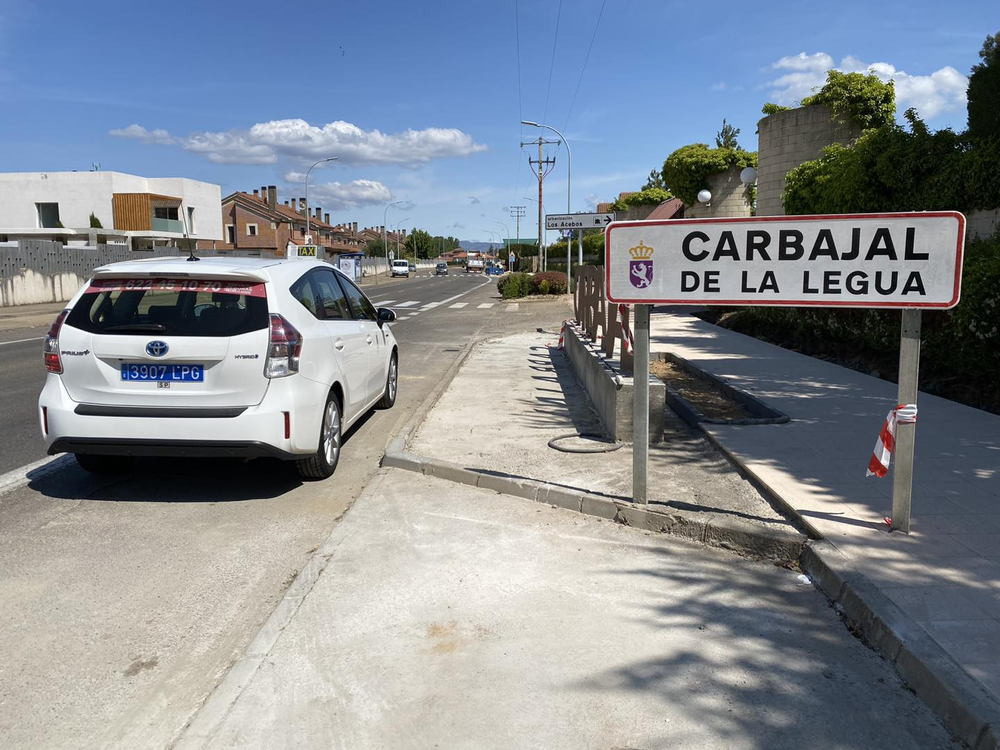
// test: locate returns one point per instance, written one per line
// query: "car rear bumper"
(144, 431)
(171, 448)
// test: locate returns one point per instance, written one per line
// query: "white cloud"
(943, 90)
(265, 142)
(139, 133)
(339, 196)
(592, 200)
(719, 86)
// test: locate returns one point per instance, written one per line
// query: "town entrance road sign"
(578, 221)
(903, 260)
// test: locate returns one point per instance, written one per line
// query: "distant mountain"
(479, 247)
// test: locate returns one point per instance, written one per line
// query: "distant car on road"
(441, 269)
(236, 357)
(413, 267)
(401, 268)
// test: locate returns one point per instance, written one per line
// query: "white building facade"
(140, 212)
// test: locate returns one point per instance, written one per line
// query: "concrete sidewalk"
(946, 574)
(444, 616)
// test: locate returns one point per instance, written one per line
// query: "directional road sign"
(392, 255)
(578, 221)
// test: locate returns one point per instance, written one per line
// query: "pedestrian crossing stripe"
(485, 306)
(411, 303)
(457, 306)
(514, 306)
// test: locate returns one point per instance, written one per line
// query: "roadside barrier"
(885, 446)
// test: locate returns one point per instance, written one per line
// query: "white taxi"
(240, 357)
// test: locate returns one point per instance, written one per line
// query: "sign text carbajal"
(862, 260)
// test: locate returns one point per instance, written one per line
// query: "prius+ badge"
(156, 348)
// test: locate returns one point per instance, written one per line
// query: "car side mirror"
(385, 315)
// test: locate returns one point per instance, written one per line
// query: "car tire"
(103, 464)
(391, 384)
(323, 462)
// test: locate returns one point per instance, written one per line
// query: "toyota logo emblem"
(156, 348)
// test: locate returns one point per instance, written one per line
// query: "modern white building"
(137, 211)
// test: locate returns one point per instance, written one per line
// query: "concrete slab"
(453, 617)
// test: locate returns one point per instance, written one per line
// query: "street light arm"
(308, 172)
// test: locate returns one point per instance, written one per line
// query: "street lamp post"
(321, 161)
(569, 187)
(397, 236)
(507, 245)
(385, 244)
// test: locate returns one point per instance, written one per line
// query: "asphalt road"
(124, 600)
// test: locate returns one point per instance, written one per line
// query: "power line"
(585, 61)
(552, 64)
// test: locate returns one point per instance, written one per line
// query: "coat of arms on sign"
(640, 268)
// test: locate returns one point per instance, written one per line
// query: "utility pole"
(517, 213)
(544, 167)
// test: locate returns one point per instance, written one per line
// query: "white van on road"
(401, 268)
(223, 357)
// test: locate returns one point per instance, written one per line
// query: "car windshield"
(173, 308)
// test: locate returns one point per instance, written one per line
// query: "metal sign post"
(640, 406)
(902, 261)
(909, 371)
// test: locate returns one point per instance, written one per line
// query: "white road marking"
(485, 306)
(17, 478)
(458, 305)
(411, 303)
(21, 341)
(384, 301)
(514, 307)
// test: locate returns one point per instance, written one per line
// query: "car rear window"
(187, 307)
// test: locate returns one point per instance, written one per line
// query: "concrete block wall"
(728, 197)
(786, 139)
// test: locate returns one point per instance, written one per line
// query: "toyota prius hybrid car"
(239, 357)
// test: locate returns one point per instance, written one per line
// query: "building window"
(251, 230)
(48, 215)
(190, 226)
(230, 234)
(165, 212)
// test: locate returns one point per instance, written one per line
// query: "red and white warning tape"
(562, 336)
(627, 338)
(885, 446)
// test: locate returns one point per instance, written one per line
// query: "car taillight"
(50, 349)
(284, 349)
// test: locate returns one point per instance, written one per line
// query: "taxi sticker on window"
(248, 289)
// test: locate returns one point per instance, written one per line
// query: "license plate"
(169, 373)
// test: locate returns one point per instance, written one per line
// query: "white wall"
(81, 193)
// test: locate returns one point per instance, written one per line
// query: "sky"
(421, 103)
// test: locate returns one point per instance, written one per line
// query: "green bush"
(893, 169)
(686, 170)
(95, 223)
(554, 282)
(650, 196)
(514, 285)
(984, 91)
(861, 98)
(772, 109)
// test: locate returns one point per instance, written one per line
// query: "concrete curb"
(963, 704)
(955, 696)
(205, 722)
(734, 536)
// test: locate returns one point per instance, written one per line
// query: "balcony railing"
(168, 225)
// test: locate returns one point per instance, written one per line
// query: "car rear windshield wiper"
(150, 327)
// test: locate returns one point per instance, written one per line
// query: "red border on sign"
(959, 257)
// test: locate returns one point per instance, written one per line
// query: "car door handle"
(369, 339)
(339, 346)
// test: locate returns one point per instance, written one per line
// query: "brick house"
(258, 222)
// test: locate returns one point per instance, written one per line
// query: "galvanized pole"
(909, 371)
(640, 405)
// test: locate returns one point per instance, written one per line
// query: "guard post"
(640, 406)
